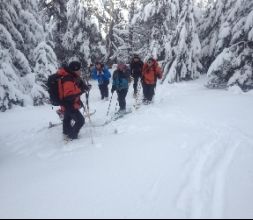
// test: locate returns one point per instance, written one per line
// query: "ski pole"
(110, 104)
(116, 107)
(88, 114)
(87, 101)
(137, 98)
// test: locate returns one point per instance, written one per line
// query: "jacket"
(71, 87)
(121, 80)
(151, 74)
(136, 68)
(102, 76)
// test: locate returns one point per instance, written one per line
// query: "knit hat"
(75, 66)
(151, 59)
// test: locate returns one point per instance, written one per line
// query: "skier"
(151, 72)
(136, 71)
(70, 91)
(121, 79)
(103, 75)
(82, 85)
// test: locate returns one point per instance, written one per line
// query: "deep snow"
(189, 155)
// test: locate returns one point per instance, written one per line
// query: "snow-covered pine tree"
(183, 61)
(75, 29)
(45, 62)
(150, 27)
(20, 33)
(97, 30)
(76, 40)
(233, 67)
(99, 16)
(55, 20)
(209, 32)
(117, 43)
(132, 10)
(13, 66)
(227, 41)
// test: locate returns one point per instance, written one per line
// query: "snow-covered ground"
(189, 155)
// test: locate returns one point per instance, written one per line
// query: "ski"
(90, 114)
(137, 106)
(121, 115)
(143, 103)
(53, 125)
(116, 117)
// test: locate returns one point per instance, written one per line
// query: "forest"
(189, 38)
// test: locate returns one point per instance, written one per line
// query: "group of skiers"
(148, 73)
(71, 87)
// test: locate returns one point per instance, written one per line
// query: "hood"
(66, 72)
(62, 72)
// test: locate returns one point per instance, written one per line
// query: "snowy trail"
(175, 159)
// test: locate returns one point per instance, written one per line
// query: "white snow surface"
(189, 155)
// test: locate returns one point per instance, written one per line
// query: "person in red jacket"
(150, 73)
(70, 91)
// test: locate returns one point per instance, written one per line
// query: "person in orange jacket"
(150, 73)
(70, 91)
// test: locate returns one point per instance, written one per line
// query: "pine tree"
(227, 40)
(45, 62)
(209, 32)
(183, 62)
(11, 61)
(21, 33)
(150, 28)
(117, 44)
(55, 18)
(75, 30)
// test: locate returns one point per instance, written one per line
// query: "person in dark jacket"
(102, 75)
(136, 71)
(121, 79)
(70, 91)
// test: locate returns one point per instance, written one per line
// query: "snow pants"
(136, 81)
(72, 123)
(148, 91)
(122, 98)
(104, 90)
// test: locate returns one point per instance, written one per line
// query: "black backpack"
(53, 89)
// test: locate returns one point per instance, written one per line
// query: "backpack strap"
(60, 88)
(67, 78)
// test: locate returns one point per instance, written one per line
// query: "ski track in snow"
(206, 160)
(202, 194)
(204, 180)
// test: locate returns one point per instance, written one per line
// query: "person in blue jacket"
(102, 75)
(121, 80)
